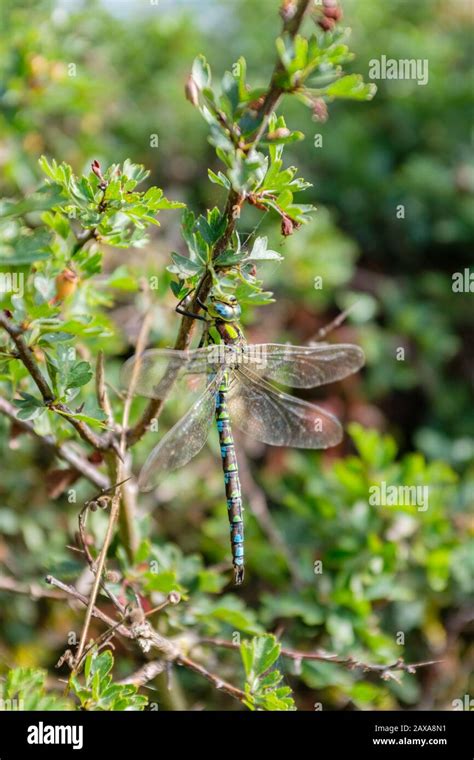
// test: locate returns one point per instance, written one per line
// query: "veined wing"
(303, 366)
(274, 417)
(158, 369)
(184, 440)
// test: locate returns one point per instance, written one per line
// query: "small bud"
(287, 10)
(287, 225)
(135, 616)
(191, 90)
(277, 134)
(333, 13)
(255, 105)
(320, 110)
(326, 23)
(174, 597)
(96, 457)
(103, 502)
(66, 283)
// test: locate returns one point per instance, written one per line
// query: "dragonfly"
(239, 385)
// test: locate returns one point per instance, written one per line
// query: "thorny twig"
(26, 355)
(141, 631)
(351, 663)
(119, 477)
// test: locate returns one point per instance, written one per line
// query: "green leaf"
(259, 654)
(46, 197)
(260, 252)
(351, 86)
(219, 179)
(79, 374)
(184, 266)
(27, 248)
(94, 421)
(201, 72)
(29, 406)
(24, 689)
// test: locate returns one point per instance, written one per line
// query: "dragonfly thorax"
(223, 321)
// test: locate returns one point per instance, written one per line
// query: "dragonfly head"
(225, 308)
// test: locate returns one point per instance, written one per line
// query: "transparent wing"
(158, 369)
(303, 366)
(274, 417)
(184, 440)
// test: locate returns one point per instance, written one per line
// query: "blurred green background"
(84, 81)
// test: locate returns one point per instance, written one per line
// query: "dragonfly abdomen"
(231, 478)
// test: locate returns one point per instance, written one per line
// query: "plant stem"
(28, 358)
(233, 203)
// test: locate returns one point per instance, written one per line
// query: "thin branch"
(230, 213)
(350, 662)
(146, 673)
(119, 476)
(96, 612)
(101, 390)
(26, 355)
(62, 450)
(275, 93)
(216, 681)
(33, 590)
(99, 567)
(142, 632)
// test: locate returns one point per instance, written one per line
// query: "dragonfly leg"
(186, 313)
(190, 314)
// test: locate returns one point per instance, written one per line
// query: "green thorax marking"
(223, 325)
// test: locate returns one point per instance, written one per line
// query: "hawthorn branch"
(143, 632)
(26, 355)
(33, 590)
(291, 27)
(351, 663)
(231, 213)
(62, 450)
(145, 673)
(216, 681)
(118, 476)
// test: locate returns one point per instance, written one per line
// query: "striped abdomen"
(232, 482)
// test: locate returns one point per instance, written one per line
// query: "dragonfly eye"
(225, 310)
(228, 310)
